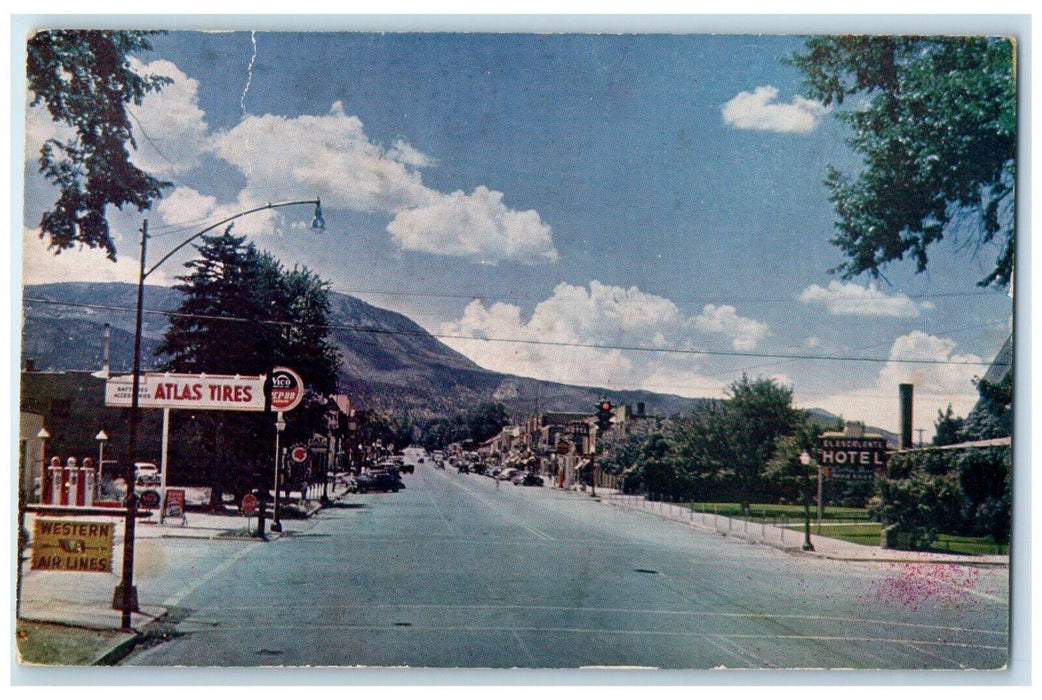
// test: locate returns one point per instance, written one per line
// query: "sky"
(631, 211)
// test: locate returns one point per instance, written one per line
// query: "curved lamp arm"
(318, 223)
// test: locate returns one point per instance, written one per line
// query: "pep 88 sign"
(287, 389)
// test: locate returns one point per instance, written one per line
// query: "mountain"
(389, 361)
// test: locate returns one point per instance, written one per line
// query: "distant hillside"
(389, 361)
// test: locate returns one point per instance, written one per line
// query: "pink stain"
(910, 584)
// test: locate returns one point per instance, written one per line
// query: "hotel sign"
(851, 457)
(213, 392)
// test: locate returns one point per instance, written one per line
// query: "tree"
(937, 134)
(992, 417)
(948, 428)
(784, 467)
(85, 80)
(758, 413)
(242, 313)
(703, 450)
(486, 421)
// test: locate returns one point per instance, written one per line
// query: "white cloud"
(185, 206)
(331, 157)
(745, 333)
(404, 152)
(170, 130)
(854, 300)
(328, 156)
(944, 377)
(42, 266)
(758, 111)
(477, 226)
(579, 336)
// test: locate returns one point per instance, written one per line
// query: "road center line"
(538, 533)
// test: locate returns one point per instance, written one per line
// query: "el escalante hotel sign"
(188, 391)
(852, 457)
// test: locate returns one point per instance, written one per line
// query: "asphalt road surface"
(455, 573)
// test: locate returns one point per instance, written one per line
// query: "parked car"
(379, 480)
(507, 474)
(529, 479)
(350, 483)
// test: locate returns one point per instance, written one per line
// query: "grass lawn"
(849, 524)
(771, 512)
(41, 643)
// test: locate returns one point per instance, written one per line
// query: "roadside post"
(248, 508)
(280, 425)
(284, 391)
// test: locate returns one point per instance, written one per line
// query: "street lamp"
(125, 597)
(101, 437)
(805, 461)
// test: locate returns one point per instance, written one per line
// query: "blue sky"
(599, 192)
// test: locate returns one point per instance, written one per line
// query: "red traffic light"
(606, 405)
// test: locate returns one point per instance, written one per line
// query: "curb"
(120, 651)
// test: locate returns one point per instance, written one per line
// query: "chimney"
(105, 357)
(640, 408)
(905, 440)
(30, 364)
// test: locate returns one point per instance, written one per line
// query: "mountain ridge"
(389, 361)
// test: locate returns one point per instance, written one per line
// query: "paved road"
(453, 572)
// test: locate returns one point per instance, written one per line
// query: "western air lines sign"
(72, 545)
(213, 392)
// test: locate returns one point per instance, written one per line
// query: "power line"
(526, 341)
(733, 300)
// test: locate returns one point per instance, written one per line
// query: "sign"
(150, 499)
(249, 504)
(287, 389)
(175, 503)
(213, 392)
(299, 454)
(852, 458)
(72, 545)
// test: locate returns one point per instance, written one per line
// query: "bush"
(958, 492)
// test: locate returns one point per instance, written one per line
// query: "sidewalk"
(788, 539)
(82, 604)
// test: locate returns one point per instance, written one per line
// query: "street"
(453, 572)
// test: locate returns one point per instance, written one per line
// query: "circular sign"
(249, 504)
(287, 389)
(150, 499)
(299, 454)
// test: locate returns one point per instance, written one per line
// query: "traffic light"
(604, 415)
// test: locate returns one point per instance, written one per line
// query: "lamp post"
(125, 596)
(101, 437)
(805, 461)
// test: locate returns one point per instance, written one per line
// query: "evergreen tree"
(242, 313)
